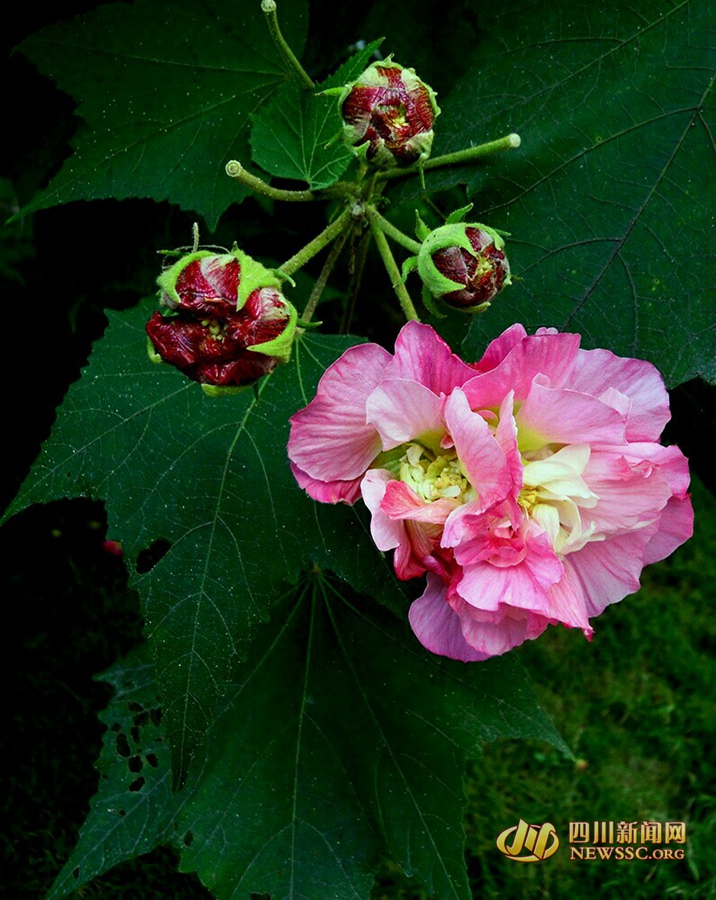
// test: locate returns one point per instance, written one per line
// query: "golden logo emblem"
(530, 843)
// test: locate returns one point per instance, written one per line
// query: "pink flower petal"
(566, 417)
(498, 349)
(496, 638)
(676, 525)
(606, 571)
(614, 476)
(330, 438)
(438, 627)
(481, 456)
(402, 410)
(597, 371)
(387, 532)
(549, 355)
(327, 491)
(401, 502)
(421, 355)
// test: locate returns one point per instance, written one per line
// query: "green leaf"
(342, 741)
(363, 755)
(133, 809)
(210, 477)
(166, 90)
(295, 136)
(607, 199)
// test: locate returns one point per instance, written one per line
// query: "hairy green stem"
(395, 233)
(332, 231)
(391, 266)
(322, 280)
(356, 266)
(459, 157)
(268, 8)
(234, 169)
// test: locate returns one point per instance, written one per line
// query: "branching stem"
(391, 231)
(322, 280)
(332, 231)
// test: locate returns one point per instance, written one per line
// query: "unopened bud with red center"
(464, 265)
(224, 322)
(388, 115)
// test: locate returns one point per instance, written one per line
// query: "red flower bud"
(464, 265)
(225, 323)
(388, 114)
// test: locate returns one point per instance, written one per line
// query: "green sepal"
(333, 92)
(152, 353)
(480, 308)
(459, 214)
(282, 276)
(254, 276)
(280, 347)
(421, 229)
(168, 279)
(223, 390)
(301, 324)
(428, 303)
(409, 265)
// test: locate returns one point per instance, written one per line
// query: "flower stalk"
(235, 170)
(391, 266)
(459, 157)
(268, 7)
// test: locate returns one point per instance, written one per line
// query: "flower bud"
(224, 322)
(388, 115)
(464, 265)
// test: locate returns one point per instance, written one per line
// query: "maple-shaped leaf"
(208, 478)
(166, 91)
(608, 201)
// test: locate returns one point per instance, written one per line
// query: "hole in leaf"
(152, 760)
(136, 734)
(135, 764)
(122, 745)
(135, 707)
(188, 838)
(122, 812)
(147, 559)
(76, 873)
(156, 716)
(141, 719)
(137, 784)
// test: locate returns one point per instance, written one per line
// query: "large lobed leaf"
(609, 201)
(210, 477)
(166, 90)
(340, 742)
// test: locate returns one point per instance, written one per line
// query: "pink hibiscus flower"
(530, 487)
